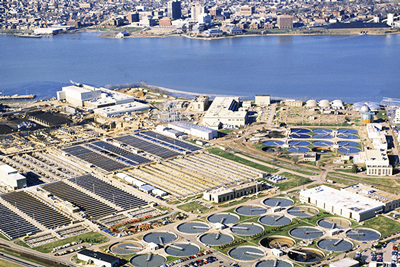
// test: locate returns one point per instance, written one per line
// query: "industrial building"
(194, 130)
(76, 95)
(11, 178)
(293, 103)
(98, 258)
(224, 194)
(199, 103)
(377, 136)
(225, 112)
(341, 202)
(397, 116)
(263, 100)
(377, 162)
(119, 110)
(285, 22)
(345, 262)
(388, 200)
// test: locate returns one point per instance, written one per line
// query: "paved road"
(17, 260)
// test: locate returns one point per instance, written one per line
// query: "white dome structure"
(311, 103)
(364, 109)
(337, 104)
(324, 103)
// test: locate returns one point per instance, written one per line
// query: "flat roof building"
(377, 162)
(119, 110)
(263, 100)
(76, 95)
(225, 112)
(340, 202)
(345, 262)
(285, 22)
(194, 130)
(224, 194)
(199, 103)
(377, 135)
(11, 178)
(98, 258)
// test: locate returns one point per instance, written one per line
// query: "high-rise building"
(174, 9)
(196, 11)
(246, 10)
(285, 22)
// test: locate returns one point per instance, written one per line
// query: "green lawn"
(92, 237)
(194, 207)
(384, 225)
(294, 181)
(227, 155)
(4, 263)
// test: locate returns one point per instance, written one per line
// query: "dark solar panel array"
(36, 209)
(14, 226)
(91, 206)
(170, 142)
(108, 192)
(147, 146)
(94, 158)
(121, 154)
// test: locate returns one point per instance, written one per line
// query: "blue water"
(351, 68)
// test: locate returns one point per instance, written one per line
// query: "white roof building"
(377, 136)
(119, 110)
(377, 162)
(11, 178)
(194, 130)
(343, 203)
(225, 111)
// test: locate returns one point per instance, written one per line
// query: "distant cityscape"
(209, 19)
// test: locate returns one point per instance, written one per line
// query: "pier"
(16, 97)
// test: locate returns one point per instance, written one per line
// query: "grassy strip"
(194, 207)
(294, 181)
(92, 237)
(220, 152)
(384, 225)
(30, 258)
(4, 263)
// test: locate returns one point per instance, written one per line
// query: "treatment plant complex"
(134, 176)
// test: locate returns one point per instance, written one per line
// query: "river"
(350, 68)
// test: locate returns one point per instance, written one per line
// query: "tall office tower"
(174, 9)
(196, 11)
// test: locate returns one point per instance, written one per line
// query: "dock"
(16, 97)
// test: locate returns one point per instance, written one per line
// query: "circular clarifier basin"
(224, 218)
(251, 210)
(334, 223)
(273, 143)
(302, 211)
(278, 242)
(126, 248)
(148, 260)
(306, 255)
(300, 136)
(273, 263)
(347, 131)
(274, 220)
(335, 245)
(193, 228)
(306, 233)
(322, 136)
(300, 130)
(246, 253)
(216, 239)
(278, 201)
(363, 234)
(349, 150)
(160, 238)
(347, 136)
(298, 149)
(322, 131)
(347, 143)
(247, 229)
(298, 143)
(182, 249)
(326, 144)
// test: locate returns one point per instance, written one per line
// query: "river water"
(351, 68)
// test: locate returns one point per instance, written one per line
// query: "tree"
(354, 168)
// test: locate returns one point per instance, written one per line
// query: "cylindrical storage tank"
(367, 117)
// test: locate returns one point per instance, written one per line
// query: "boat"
(28, 36)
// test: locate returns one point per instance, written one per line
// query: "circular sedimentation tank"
(278, 242)
(306, 255)
(302, 211)
(274, 220)
(326, 144)
(335, 245)
(278, 201)
(147, 260)
(347, 136)
(323, 136)
(306, 233)
(160, 238)
(300, 130)
(322, 149)
(298, 143)
(322, 131)
(224, 218)
(182, 249)
(250, 210)
(126, 248)
(347, 131)
(349, 150)
(347, 144)
(298, 149)
(216, 239)
(273, 143)
(193, 228)
(273, 263)
(300, 136)
(334, 223)
(247, 229)
(363, 234)
(246, 253)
